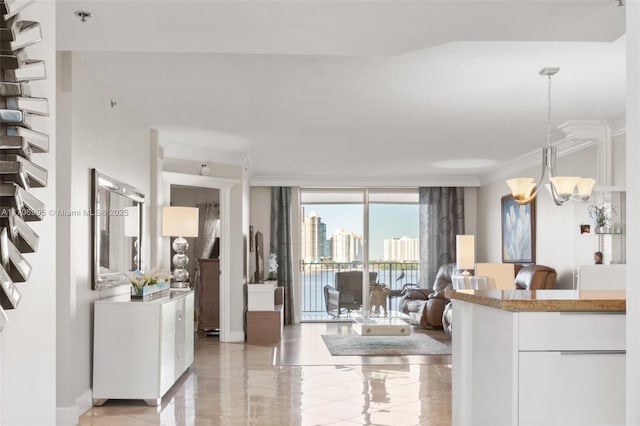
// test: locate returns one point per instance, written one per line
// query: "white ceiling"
(354, 91)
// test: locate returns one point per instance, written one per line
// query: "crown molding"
(335, 181)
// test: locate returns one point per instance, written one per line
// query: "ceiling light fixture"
(84, 15)
(562, 188)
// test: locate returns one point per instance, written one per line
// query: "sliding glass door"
(357, 229)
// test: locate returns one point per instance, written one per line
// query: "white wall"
(28, 343)
(556, 228)
(116, 142)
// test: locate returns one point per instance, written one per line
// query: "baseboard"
(84, 402)
(234, 336)
(68, 416)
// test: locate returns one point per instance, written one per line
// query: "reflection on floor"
(295, 383)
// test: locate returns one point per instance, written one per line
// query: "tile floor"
(296, 382)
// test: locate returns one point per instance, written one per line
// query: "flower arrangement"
(140, 279)
(601, 214)
(272, 266)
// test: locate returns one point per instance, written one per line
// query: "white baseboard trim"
(68, 416)
(235, 336)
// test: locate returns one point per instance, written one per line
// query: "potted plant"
(601, 214)
(145, 284)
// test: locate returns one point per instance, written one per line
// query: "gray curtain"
(441, 219)
(281, 231)
(208, 219)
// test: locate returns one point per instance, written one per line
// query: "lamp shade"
(132, 221)
(465, 252)
(180, 221)
(585, 186)
(565, 185)
(521, 188)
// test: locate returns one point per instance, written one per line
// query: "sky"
(386, 221)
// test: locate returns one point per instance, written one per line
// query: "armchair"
(425, 306)
(347, 294)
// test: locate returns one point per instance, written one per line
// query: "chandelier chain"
(549, 112)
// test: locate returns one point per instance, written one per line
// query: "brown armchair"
(347, 294)
(535, 277)
(425, 306)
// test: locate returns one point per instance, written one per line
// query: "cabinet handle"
(601, 352)
(179, 317)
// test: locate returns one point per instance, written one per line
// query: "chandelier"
(562, 188)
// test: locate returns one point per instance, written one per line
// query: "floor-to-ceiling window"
(334, 238)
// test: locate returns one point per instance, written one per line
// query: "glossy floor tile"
(238, 384)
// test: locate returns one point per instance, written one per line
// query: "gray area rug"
(356, 345)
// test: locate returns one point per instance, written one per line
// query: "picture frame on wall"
(518, 231)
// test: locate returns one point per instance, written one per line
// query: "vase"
(603, 230)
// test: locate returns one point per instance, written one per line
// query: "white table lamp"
(465, 253)
(180, 222)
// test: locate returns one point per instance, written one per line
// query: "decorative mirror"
(117, 230)
(21, 143)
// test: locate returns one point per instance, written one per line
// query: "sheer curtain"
(441, 219)
(281, 231)
(208, 229)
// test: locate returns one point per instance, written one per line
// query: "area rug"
(356, 345)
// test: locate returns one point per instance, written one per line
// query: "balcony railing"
(316, 275)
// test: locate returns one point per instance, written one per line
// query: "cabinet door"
(167, 346)
(572, 388)
(188, 330)
(209, 304)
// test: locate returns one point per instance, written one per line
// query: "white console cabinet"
(141, 348)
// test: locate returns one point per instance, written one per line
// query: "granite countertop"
(545, 300)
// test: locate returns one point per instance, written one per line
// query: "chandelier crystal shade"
(563, 188)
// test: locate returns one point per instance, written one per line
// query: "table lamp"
(465, 253)
(180, 222)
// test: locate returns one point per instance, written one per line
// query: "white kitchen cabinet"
(549, 361)
(141, 348)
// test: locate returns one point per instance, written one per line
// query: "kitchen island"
(552, 357)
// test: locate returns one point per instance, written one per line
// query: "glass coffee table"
(394, 324)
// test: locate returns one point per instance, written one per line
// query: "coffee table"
(395, 324)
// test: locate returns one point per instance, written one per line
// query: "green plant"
(601, 214)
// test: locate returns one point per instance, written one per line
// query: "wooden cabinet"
(209, 295)
(265, 325)
(140, 349)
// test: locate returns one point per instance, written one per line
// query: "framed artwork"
(518, 231)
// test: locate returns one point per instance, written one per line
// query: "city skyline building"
(312, 234)
(347, 246)
(402, 249)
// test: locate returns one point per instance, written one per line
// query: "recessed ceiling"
(352, 90)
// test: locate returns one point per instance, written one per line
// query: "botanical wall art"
(518, 231)
(18, 142)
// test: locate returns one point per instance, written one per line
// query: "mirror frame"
(100, 181)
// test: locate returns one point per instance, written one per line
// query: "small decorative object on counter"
(149, 285)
